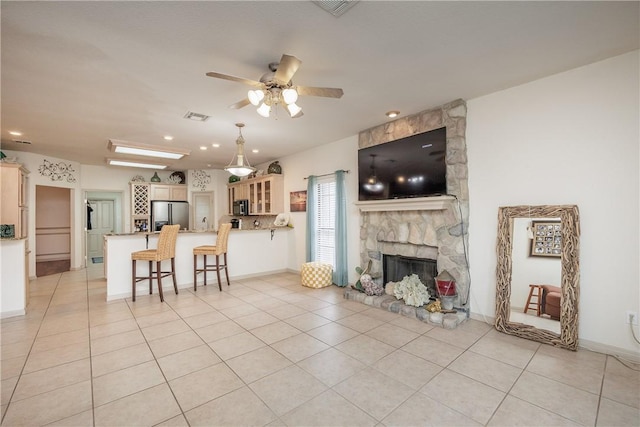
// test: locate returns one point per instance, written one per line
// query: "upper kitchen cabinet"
(172, 192)
(265, 194)
(14, 209)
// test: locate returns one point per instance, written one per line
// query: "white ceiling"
(76, 74)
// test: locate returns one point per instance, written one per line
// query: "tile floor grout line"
(93, 406)
(155, 359)
(35, 337)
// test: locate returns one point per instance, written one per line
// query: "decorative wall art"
(298, 201)
(201, 179)
(177, 177)
(57, 171)
(547, 239)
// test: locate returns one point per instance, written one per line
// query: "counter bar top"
(250, 253)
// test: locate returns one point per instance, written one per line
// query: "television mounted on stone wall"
(408, 167)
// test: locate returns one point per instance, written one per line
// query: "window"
(325, 221)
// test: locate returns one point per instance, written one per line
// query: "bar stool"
(166, 250)
(535, 291)
(220, 248)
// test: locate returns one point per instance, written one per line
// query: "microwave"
(241, 207)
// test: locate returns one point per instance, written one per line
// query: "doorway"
(103, 215)
(202, 211)
(53, 230)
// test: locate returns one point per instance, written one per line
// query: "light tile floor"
(268, 351)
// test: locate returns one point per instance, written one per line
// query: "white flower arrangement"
(411, 290)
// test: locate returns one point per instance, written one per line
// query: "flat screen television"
(409, 167)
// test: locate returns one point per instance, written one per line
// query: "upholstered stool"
(316, 275)
(551, 301)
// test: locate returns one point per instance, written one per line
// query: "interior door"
(202, 208)
(101, 218)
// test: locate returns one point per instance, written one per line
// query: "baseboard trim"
(597, 347)
(12, 313)
(611, 350)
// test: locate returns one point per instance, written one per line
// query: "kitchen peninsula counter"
(251, 252)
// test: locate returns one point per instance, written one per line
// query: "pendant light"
(238, 166)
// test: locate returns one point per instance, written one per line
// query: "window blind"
(325, 221)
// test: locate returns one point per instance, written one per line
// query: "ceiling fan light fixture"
(255, 96)
(240, 167)
(264, 110)
(294, 110)
(289, 96)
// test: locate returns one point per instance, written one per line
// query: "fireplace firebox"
(395, 267)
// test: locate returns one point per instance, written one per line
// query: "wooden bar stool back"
(166, 251)
(534, 299)
(220, 248)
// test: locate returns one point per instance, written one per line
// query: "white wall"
(571, 138)
(321, 160)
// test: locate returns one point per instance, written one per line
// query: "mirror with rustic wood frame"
(570, 276)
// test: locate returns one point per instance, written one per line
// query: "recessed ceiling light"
(202, 147)
(255, 150)
(392, 114)
(126, 147)
(215, 145)
(15, 133)
(168, 138)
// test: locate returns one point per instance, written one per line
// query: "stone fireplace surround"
(431, 227)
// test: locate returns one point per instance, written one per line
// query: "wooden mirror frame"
(570, 276)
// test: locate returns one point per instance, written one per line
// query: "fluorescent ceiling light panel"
(134, 148)
(135, 164)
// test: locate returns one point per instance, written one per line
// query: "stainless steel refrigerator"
(169, 213)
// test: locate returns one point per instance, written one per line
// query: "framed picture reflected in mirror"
(547, 239)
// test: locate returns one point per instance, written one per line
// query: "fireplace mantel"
(434, 203)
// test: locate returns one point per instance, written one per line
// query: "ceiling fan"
(276, 87)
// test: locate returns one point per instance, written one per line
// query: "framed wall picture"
(298, 201)
(547, 239)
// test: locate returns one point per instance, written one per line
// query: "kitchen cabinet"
(14, 210)
(171, 192)
(265, 194)
(236, 191)
(141, 196)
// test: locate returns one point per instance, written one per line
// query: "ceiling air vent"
(336, 8)
(196, 116)
(17, 141)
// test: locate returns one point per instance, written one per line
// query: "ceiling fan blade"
(235, 79)
(328, 92)
(240, 104)
(286, 69)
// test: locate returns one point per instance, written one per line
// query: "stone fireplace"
(426, 228)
